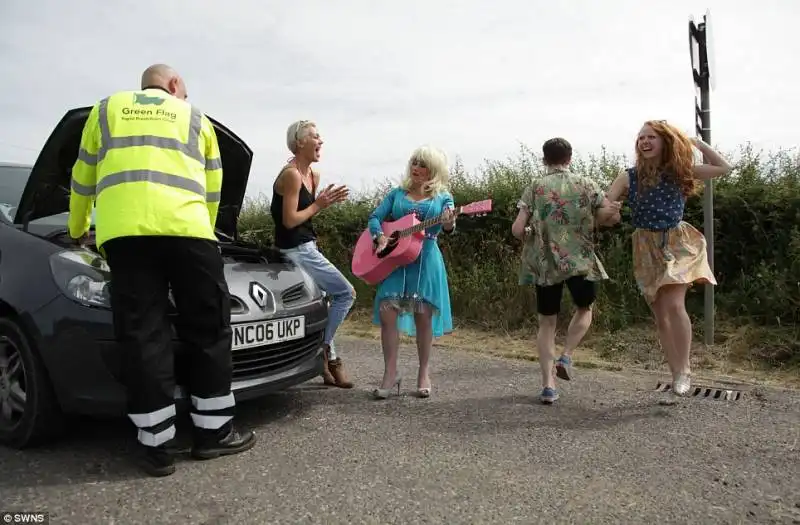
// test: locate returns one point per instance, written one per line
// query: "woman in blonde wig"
(415, 298)
(669, 255)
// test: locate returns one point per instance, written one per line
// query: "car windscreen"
(12, 184)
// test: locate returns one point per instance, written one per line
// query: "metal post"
(701, 75)
(708, 218)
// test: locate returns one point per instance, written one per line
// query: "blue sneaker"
(564, 368)
(548, 396)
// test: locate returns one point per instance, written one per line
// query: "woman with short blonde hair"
(295, 202)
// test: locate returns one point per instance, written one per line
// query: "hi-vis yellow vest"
(151, 163)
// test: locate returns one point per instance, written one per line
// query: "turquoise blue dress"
(423, 281)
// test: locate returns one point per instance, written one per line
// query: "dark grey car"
(57, 350)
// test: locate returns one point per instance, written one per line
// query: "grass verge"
(634, 348)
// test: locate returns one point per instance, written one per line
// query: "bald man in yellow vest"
(150, 162)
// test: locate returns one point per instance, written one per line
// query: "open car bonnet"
(48, 188)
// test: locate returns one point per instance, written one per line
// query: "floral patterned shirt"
(560, 244)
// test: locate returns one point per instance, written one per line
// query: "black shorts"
(548, 298)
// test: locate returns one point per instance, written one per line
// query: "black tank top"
(292, 237)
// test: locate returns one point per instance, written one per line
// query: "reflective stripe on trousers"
(157, 427)
(190, 148)
(212, 413)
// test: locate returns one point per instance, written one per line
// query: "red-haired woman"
(669, 255)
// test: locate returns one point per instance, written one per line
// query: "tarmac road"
(480, 450)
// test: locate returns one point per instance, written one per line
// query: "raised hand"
(332, 195)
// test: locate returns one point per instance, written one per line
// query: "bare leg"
(578, 327)
(681, 328)
(664, 330)
(678, 332)
(390, 342)
(546, 342)
(424, 344)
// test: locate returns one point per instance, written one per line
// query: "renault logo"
(259, 294)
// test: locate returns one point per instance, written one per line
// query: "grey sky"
(471, 76)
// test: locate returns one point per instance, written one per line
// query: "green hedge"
(757, 244)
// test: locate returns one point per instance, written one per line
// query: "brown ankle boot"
(336, 368)
(327, 377)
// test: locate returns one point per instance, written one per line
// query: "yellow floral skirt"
(676, 256)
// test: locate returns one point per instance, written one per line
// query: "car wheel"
(29, 413)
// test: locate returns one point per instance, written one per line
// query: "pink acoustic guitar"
(405, 243)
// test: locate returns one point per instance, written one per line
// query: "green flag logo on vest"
(141, 98)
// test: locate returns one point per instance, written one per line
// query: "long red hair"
(675, 164)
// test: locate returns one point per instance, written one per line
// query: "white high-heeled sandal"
(682, 384)
(383, 393)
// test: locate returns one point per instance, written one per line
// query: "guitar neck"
(481, 207)
(421, 226)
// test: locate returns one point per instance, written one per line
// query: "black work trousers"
(143, 269)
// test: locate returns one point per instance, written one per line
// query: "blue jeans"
(331, 280)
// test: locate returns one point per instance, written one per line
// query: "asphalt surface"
(480, 450)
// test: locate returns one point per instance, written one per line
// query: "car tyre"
(38, 418)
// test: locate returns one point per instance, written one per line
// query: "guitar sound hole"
(389, 247)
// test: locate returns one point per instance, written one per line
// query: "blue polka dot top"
(659, 208)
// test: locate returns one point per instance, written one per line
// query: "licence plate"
(249, 335)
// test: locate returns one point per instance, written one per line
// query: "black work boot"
(156, 461)
(208, 445)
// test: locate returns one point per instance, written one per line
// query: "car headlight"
(83, 276)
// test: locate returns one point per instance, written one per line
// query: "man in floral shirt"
(557, 217)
